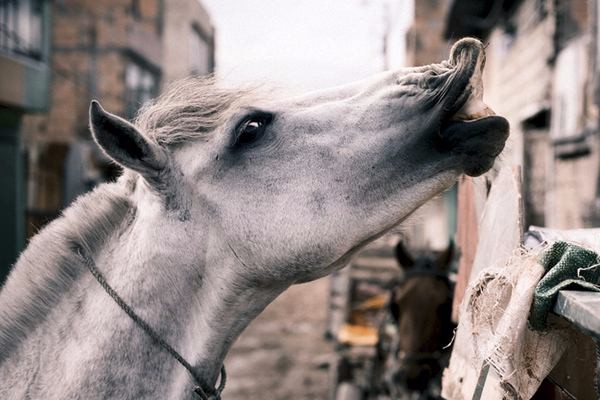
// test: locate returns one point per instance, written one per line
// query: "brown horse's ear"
(445, 258)
(123, 143)
(403, 257)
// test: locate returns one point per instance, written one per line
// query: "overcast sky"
(301, 44)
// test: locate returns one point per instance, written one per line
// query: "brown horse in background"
(417, 330)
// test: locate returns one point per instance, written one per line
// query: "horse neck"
(183, 282)
(178, 276)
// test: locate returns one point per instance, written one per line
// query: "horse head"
(292, 187)
(421, 308)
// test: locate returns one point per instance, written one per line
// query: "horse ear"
(403, 257)
(123, 143)
(445, 258)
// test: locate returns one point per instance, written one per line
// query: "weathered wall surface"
(186, 21)
(521, 82)
(518, 72)
(573, 196)
(423, 41)
(117, 51)
(92, 42)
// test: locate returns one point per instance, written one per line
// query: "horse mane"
(190, 109)
(51, 264)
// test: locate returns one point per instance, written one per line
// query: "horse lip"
(478, 142)
(472, 128)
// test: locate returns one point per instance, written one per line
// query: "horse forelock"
(51, 263)
(190, 109)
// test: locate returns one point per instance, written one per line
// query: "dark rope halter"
(203, 393)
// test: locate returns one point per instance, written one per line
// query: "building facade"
(108, 50)
(24, 77)
(120, 52)
(188, 41)
(541, 74)
(423, 44)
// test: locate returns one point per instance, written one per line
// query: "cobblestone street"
(283, 353)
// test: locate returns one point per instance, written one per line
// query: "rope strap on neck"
(204, 393)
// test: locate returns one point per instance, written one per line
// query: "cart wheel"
(348, 391)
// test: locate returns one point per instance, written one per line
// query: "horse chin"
(342, 261)
(318, 274)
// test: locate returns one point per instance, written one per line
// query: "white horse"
(226, 200)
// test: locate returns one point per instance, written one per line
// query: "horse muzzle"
(469, 127)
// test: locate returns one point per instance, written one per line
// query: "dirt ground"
(283, 353)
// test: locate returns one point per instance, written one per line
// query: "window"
(141, 85)
(568, 119)
(21, 27)
(199, 53)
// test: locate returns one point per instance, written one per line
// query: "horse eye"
(251, 129)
